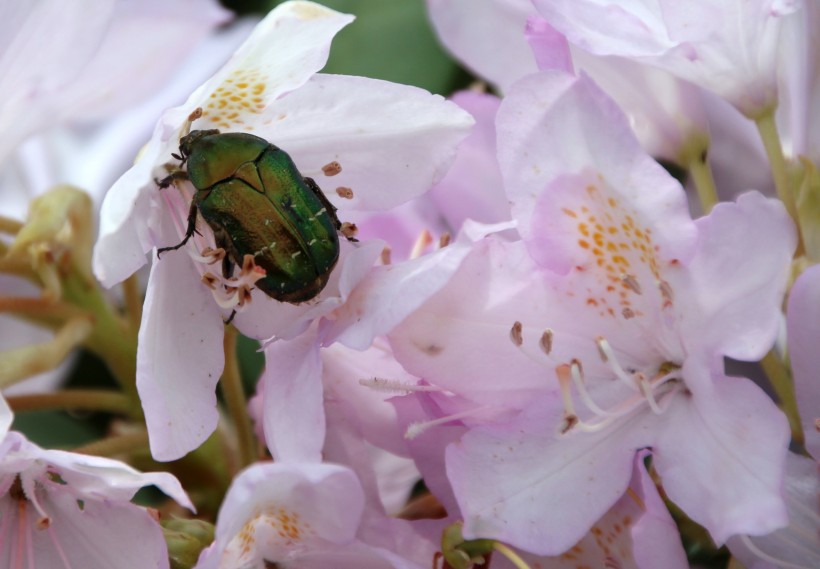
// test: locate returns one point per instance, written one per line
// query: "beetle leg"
(188, 232)
(230, 318)
(176, 175)
(329, 207)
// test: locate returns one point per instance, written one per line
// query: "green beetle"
(257, 203)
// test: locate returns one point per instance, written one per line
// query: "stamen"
(344, 193)
(766, 557)
(666, 292)
(631, 282)
(546, 341)
(395, 386)
(349, 230)
(422, 242)
(208, 256)
(331, 168)
(386, 255)
(577, 373)
(516, 334)
(609, 358)
(646, 390)
(415, 429)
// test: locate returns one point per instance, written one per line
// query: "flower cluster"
(508, 328)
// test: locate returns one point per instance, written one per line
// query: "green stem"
(781, 381)
(767, 128)
(111, 338)
(234, 395)
(511, 555)
(704, 182)
(114, 446)
(73, 399)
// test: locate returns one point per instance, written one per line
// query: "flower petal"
(179, 357)
(737, 278)
(464, 26)
(803, 320)
(293, 414)
(285, 49)
(524, 485)
(721, 456)
(554, 126)
(392, 141)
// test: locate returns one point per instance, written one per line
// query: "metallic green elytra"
(257, 203)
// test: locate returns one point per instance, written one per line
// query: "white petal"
(179, 357)
(392, 141)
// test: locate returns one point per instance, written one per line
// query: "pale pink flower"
(62, 510)
(372, 128)
(728, 47)
(627, 308)
(293, 516)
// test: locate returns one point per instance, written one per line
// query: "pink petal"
(464, 27)
(447, 340)
(656, 541)
(803, 333)
(389, 293)
(100, 535)
(522, 484)
(294, 418)
(179, 357)
(549, 46)
(555, 126)
(737, 278)
(472, 188)
(721, 455)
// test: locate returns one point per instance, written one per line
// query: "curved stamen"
(610, 359)
(395, 386)
(415, 429)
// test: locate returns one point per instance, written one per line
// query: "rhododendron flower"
(60, 509)
(371, 129)
(294, 515)
(626, 308)
(729, 47)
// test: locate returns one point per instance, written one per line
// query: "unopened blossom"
(294, 515)
(62, 510)
(729, 47)
(622, 310)
(349, 133)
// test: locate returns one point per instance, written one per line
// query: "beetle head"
(187, 142)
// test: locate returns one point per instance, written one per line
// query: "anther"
(349, 230)
(546, 341)
(628, 313)
(385, 256)
(331, 168)
(444, 240)
(344, 193)
(422, 242)
(631, 282)
(666, 292)
(516, 334)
